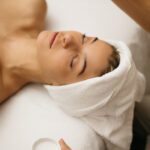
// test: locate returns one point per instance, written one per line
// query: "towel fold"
(105, 103)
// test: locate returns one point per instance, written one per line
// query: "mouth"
(53, 38)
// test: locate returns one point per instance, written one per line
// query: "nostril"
(64, 42)
(67, 40)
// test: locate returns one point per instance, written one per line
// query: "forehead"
(99, 47)
(98, 54)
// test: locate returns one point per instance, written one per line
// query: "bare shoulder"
(22, 14)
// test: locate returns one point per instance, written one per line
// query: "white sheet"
(30, 115)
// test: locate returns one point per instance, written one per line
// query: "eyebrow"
(94, 40)
(83, 36)
(84, 66)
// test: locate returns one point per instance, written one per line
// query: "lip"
(53, 38)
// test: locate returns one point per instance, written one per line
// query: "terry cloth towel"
(105, 103)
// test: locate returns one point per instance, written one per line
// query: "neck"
(22, 59)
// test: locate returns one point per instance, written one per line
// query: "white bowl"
(45, 144)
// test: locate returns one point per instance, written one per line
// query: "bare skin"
(22, 21)
(139, 10)
(63, 145)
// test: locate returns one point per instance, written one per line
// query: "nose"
(67, 40)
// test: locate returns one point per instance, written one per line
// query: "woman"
(28, 54)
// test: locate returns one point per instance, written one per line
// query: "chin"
(42, 36)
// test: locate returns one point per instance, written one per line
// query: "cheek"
(59, 69)
(59, 64)
(55, 64)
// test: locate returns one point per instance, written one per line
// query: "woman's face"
(68, 57)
